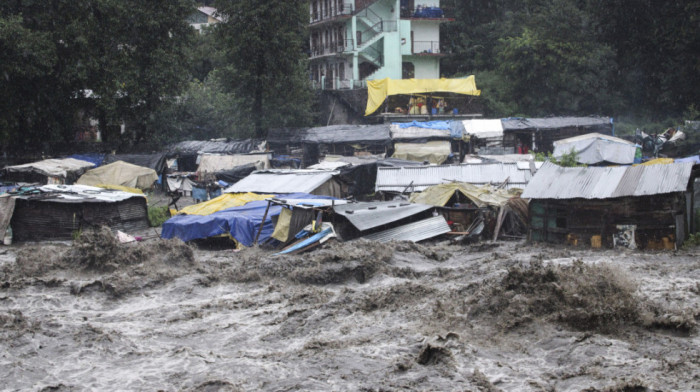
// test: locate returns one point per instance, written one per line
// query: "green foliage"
(157, 215)
(578, 57)
(112, 59)
(203, 111)
(266, 68)
(569, 159)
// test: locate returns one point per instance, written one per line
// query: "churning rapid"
(160, 315)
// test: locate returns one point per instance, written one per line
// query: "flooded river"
(355, 316)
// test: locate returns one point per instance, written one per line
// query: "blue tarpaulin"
(95, 159)
(442, 125)
(242, 223)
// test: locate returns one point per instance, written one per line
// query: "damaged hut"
(596, 148)
(57, 212)
(649, 207)
(48, 171)
(280, 181)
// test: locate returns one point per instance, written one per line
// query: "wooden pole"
(262, 223)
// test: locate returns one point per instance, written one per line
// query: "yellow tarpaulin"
(120, 173)
(227, 200)
(658, 161)
(378, 90)
(439, 195)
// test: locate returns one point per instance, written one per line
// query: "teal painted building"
(355, 41)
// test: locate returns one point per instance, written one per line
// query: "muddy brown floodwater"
(355, 316)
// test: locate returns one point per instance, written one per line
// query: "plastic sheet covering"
(378, 90)
(222, 202)
(242, 223)
(442, 125)
(120, 173)
(95, 159)
(595, 148)
(335, 134)
(483, 128)
(216, 147)
(156, 162)
(214, 163)
(435, 152)
(284, 220)
(62, 168)
(483, 196)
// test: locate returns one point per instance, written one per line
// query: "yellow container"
(596, 241)
(668, 243)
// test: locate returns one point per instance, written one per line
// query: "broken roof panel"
(282, 181)
(420, 177)
(414, 232)
(367, 134)
(556, 182)
(365, 216)
(518, 123)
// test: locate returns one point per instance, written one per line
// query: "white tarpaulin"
(59, 168)
(483, 128)
(595, 148)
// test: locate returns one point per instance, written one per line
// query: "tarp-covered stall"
(242, 223)
(156, 161)
(485, 135)
(121, 174)
(188, 152)
(48, 171)
(57, 212)
(596, 148)
(379, 90)
(435, 152)
(421, 130)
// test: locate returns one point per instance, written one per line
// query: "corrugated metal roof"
(554, 122)
(416, 231)
(556, 182)
(282, 181)
(397, 179)
(365, 216)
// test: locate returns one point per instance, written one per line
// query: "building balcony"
(332, 49)
(426, 48)
(427, 13)
(337, 84)
(334, 13)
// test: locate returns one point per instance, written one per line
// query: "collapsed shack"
(649, 207)
(57, 212)
(48, 171)
(245, 218)
(386, 221)
(476, 212)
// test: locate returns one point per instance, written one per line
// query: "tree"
(117, 58)
(265, 45)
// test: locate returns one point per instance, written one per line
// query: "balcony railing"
(332, 48)
(425, 13)
(426, 47)
(334, 11)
